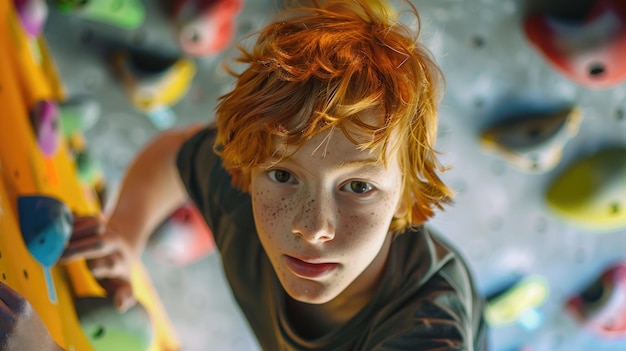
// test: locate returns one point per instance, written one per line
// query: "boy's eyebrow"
(370, 162)
(361, 163)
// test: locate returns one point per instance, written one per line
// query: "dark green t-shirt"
(425, 301)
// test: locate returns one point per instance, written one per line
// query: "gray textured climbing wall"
(500, 220)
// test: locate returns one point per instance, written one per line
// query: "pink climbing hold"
(205, 27)
(591, 51)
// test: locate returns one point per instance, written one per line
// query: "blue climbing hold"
(46, 226)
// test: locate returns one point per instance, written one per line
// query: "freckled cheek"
(270, 211)
(373, 218)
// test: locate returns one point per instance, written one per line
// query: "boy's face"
(323, 216)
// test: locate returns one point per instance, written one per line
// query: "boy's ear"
(401, 209)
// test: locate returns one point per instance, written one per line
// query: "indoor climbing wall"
(533, 125)
(46, 181)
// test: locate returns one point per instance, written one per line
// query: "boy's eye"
(358, 187)
(280, 176)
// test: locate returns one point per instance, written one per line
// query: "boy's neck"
(312, 321)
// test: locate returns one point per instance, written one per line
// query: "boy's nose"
(314, 220)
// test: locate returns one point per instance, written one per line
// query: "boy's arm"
(151, 190)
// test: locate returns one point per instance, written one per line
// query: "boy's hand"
(108, 255)
(21, 328)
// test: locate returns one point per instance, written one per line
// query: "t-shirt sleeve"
(207, 182)
(193, 173)
(446, 320)
(441, 310)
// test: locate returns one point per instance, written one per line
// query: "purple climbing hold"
(45, 122)
(32, 14)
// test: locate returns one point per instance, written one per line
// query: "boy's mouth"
(306, 269)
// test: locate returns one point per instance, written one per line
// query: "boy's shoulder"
(420, 254)
(208, 184)
(428, 299)
(430, 284)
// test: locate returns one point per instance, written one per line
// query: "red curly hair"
(326, 65)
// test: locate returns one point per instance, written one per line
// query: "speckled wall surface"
(499, 221)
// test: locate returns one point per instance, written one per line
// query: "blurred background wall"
(515, 125)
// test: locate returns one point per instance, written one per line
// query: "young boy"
(316, 180)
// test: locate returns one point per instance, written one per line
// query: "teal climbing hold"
(46, 226)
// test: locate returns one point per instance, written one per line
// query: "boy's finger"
(121, 291)
(87, 227)
(109, 266)
(86, 248)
